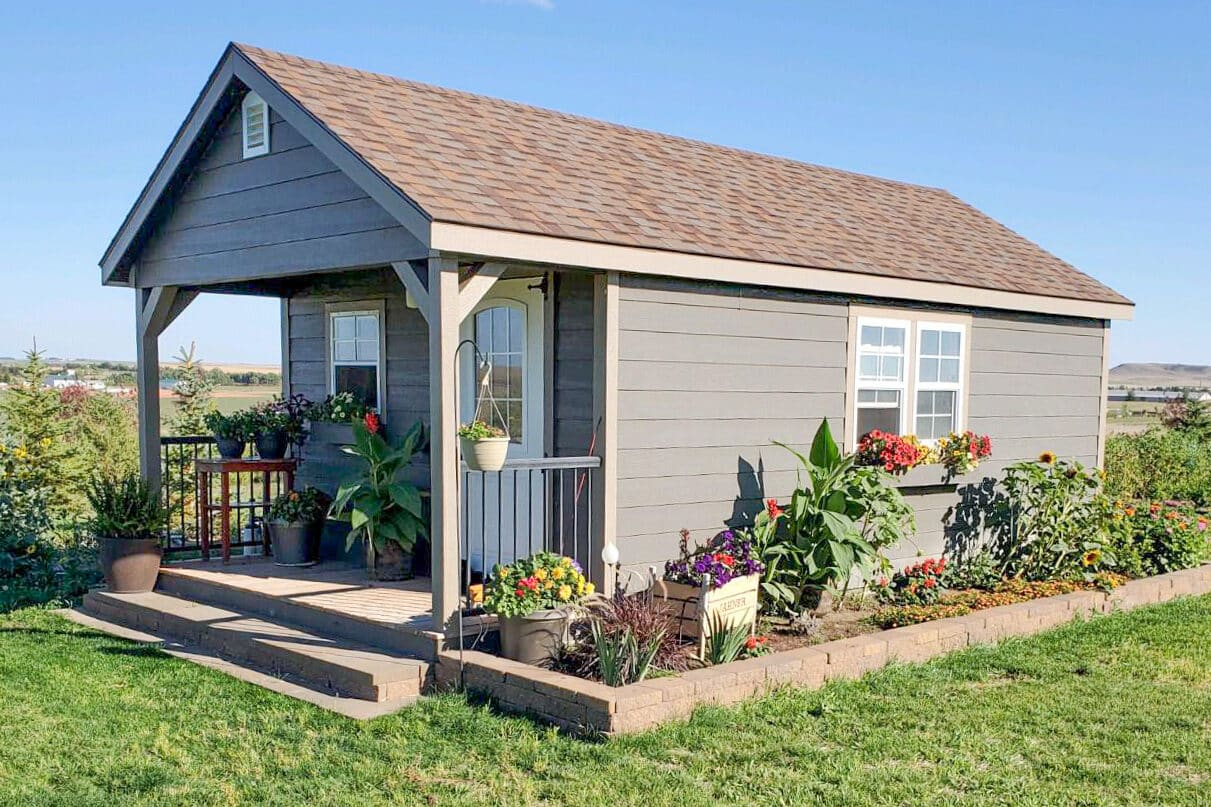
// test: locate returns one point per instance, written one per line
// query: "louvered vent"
(256, 125)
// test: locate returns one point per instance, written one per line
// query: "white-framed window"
(881, 391)
(355, 351)
(909, 371)
(500, 337)
(254, 123)
(939, 379)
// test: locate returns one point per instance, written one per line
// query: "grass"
(1116, 711)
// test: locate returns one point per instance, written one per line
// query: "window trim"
(251, 99)
(915, 320)
(379, 309)
(957, 387)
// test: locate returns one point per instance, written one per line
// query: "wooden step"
(328, 664)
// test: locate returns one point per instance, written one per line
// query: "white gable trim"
(501, 244)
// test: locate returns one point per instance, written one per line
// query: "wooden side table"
(208, 468)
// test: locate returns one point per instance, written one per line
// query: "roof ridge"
(572, 116)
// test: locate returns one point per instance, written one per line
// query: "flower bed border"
(589, 707)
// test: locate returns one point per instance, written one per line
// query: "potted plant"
(296, 524)
(127, 521)
(484, 446)
(534, 599)
(383, 508)
(332, 419)
(230, 433)
(270, 432)
(711, 585)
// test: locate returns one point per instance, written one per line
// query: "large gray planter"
(296, 543)
(328, 433)
(130, 565)
(534, 638)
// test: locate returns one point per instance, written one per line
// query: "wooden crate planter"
(696, 609)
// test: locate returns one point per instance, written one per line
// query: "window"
(355, 354)
(254, 116)
(882, 387)
(908, 375)
(500, 333)
(939, 370)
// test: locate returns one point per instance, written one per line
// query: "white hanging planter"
(486, 454)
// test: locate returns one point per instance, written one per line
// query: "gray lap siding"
(710, 374)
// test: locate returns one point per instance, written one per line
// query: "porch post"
(443, 440)
(605, 416)
(155, 309)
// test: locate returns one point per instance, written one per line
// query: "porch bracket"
(472, 290)
(412, 283)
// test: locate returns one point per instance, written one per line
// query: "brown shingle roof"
(468, 159)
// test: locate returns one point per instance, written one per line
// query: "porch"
(552, 497)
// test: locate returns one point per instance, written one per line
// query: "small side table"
(208, 468)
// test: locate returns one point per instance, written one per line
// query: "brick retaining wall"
(587, 706)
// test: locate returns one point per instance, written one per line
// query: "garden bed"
(582, 706)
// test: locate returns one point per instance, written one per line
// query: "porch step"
(297, 611)
(328, 664)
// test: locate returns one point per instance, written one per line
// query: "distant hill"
(1155, 374)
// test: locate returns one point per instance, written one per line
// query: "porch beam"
(443, 298)
(472, 290)
(412, 283)
(605, 420)
(155, 309)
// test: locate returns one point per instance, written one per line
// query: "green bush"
(1157, 538)
(1158, 464)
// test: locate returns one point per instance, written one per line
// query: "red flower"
(751, 643)
(373, 424)
(930, 582)
(774, 510)
(520, 592)
(724, 558)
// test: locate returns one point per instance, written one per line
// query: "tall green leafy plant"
(824, 516)
(380, 504)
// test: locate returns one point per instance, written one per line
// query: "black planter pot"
(295, 543)
(271, 445)
(230, 448)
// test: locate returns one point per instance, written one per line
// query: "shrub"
(624, 639)
(1157, 465)
(978, 571)
(236, 426)
(1157, 538)
(1052, 521)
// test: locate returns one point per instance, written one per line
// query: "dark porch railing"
(178, 471)
(529, 506)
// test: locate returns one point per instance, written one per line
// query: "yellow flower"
(504, 571)
(540, 574)
(547, 586)
(565, 591)
(557, 573)
(589, 588)
(1047, 458)
(1091, 557)
(565, 562)
(580, 587)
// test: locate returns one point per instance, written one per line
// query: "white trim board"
(506, 245)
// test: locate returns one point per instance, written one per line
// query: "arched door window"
(500, 335)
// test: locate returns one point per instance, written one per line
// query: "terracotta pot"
(295, 543)
(230, 448)
(392, 563)
(130, 565)
(488, 454)
(534, 638)
(271, 445)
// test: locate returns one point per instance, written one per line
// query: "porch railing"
(529, 506)
(178, 472)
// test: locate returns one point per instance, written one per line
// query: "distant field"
(226, 399)
(1132, 416)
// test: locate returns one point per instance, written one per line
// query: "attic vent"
(255, 114)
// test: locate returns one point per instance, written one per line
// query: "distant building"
(1155, 395)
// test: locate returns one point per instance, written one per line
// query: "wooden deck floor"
(335, 587)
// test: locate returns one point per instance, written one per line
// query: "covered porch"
(552, 495)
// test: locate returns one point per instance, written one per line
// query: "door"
(504, 515)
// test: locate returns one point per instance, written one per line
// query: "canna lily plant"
(380, 505)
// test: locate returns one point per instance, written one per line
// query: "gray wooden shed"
(656, 309)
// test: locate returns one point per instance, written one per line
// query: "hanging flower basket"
(485, 454)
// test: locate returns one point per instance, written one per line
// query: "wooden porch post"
(443, 440)
(155, 309)
(605, 415)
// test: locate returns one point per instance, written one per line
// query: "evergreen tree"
(192, 394)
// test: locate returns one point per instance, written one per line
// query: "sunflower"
(1047, 458)
(1091, 557)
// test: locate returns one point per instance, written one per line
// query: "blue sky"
(1083, 127)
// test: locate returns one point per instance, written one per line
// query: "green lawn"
(1116, 711)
